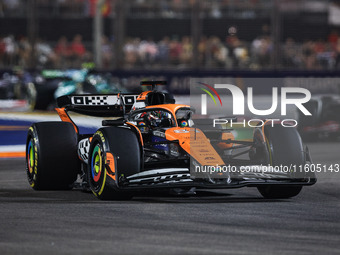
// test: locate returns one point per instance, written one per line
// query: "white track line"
(12, 148)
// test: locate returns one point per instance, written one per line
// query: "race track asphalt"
(237, 221)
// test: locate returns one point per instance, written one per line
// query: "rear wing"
(98, 105)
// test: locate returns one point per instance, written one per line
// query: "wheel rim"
(30, 157)
(96, 164)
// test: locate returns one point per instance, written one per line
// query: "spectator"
(291, 57)
(309, 56)
(333, 39)
(220, 53)
(131, 52)
(163, 51)
(77, 50)
(148, 51)
(186, 52)
(2, 51)
(202, 51)
(45, 54)
(175, 49)
(63, 52)
(107, 51)
(11, 51)
(232, 42)
(24, 51)
(77, 46)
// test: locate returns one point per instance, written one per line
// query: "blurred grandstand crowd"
(174, 52)
(232, 53)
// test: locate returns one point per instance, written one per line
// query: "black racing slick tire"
(51, 156)
(285, 148)
(41, 96)
(114, 155)
(279, 191)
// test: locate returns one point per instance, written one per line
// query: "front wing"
(180, 177)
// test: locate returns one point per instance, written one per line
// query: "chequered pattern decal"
(91, 100)
(130, 100)
(84, 149)
(103, 100)
(94, 100)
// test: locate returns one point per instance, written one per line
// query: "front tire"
(285, 148)
(114, 154)
(279, 191)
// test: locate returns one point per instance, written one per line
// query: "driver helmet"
(156, 117)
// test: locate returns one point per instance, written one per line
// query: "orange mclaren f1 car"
(148, 142)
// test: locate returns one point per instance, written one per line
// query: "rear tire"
(285, 148)
(51, 156)
(120, 145)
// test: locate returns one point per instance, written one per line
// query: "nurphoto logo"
(238, 99)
